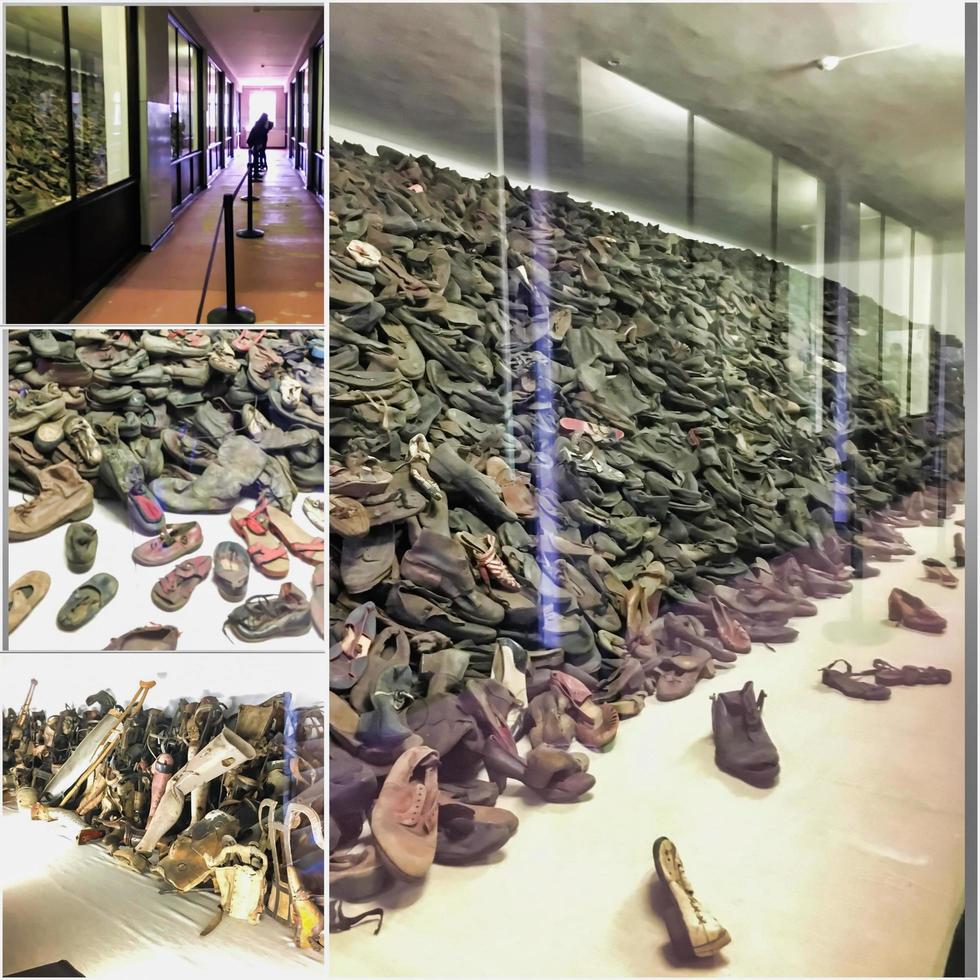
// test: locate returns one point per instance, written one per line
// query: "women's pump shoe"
(905, 609)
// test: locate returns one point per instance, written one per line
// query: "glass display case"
(670, 322)
(46, 164)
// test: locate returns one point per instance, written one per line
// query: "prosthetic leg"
(222, 754)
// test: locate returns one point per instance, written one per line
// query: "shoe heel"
(894, 612)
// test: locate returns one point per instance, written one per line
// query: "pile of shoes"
(181, 421)
(124, 776)
(573, 465)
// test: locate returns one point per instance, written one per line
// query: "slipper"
(24, 595)
(231, 570)
(304, 546)
(153, 636)
(847, 684)
(267, 554)
(83, 604)
(175, 588)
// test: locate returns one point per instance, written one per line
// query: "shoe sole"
(295, 631)
(231, 595)
(78, 569)
(78, 515)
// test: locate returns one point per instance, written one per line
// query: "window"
(897, 269)
(305, 86)
(183, 94)
(259, 101)
(212, 103)
(867, 333)
(39, 114)
(230, 111)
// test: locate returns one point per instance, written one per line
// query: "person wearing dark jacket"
(258, 136)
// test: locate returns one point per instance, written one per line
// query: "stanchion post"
(230, 312)
(250, 231)
(250, 196)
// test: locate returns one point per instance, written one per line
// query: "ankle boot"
(221, 755)
(63, 496)
(239, 463)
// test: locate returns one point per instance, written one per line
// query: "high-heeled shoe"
(936, 571)
(905, 609)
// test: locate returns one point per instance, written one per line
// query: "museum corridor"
(125, 125)
(279, 276)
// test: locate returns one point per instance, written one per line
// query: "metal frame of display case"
(59, 259)
(187, 170)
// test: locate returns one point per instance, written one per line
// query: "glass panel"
(633, 138)
(175, 139)
(229, 110)
(869, 288)
(194, 130)
(37, 112)
(304, 103)
(799, 219)
(732, 188)
(922, 270)
(320, 94)
(897, 267)
(212, 112)
(183, 102)
(99, 103)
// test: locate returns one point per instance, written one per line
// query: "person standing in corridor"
(257, 137)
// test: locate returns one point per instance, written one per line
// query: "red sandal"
(267, 554)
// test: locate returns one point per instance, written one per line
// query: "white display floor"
(62, 901)
(200, 621)
(852, 865)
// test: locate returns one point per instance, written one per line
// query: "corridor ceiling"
(260, 42)
(889, 125)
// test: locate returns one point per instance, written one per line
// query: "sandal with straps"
(908, 676)
(304, 546)
(175, 588)
(174, 541)
(267, 554)
(847, 683)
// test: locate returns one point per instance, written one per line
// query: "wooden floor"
(279, 276)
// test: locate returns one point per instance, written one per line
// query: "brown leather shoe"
(63, 496)
(175, 588)
(905, 609)
(150, 637)
(404, 819)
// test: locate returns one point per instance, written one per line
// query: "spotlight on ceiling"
(828, 62)
(613, 62)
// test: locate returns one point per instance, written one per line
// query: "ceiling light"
(613, 62)
(828, 63)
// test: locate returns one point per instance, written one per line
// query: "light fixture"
(830, 61)
(613, 62)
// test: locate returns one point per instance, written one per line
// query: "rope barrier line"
(214, 241)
